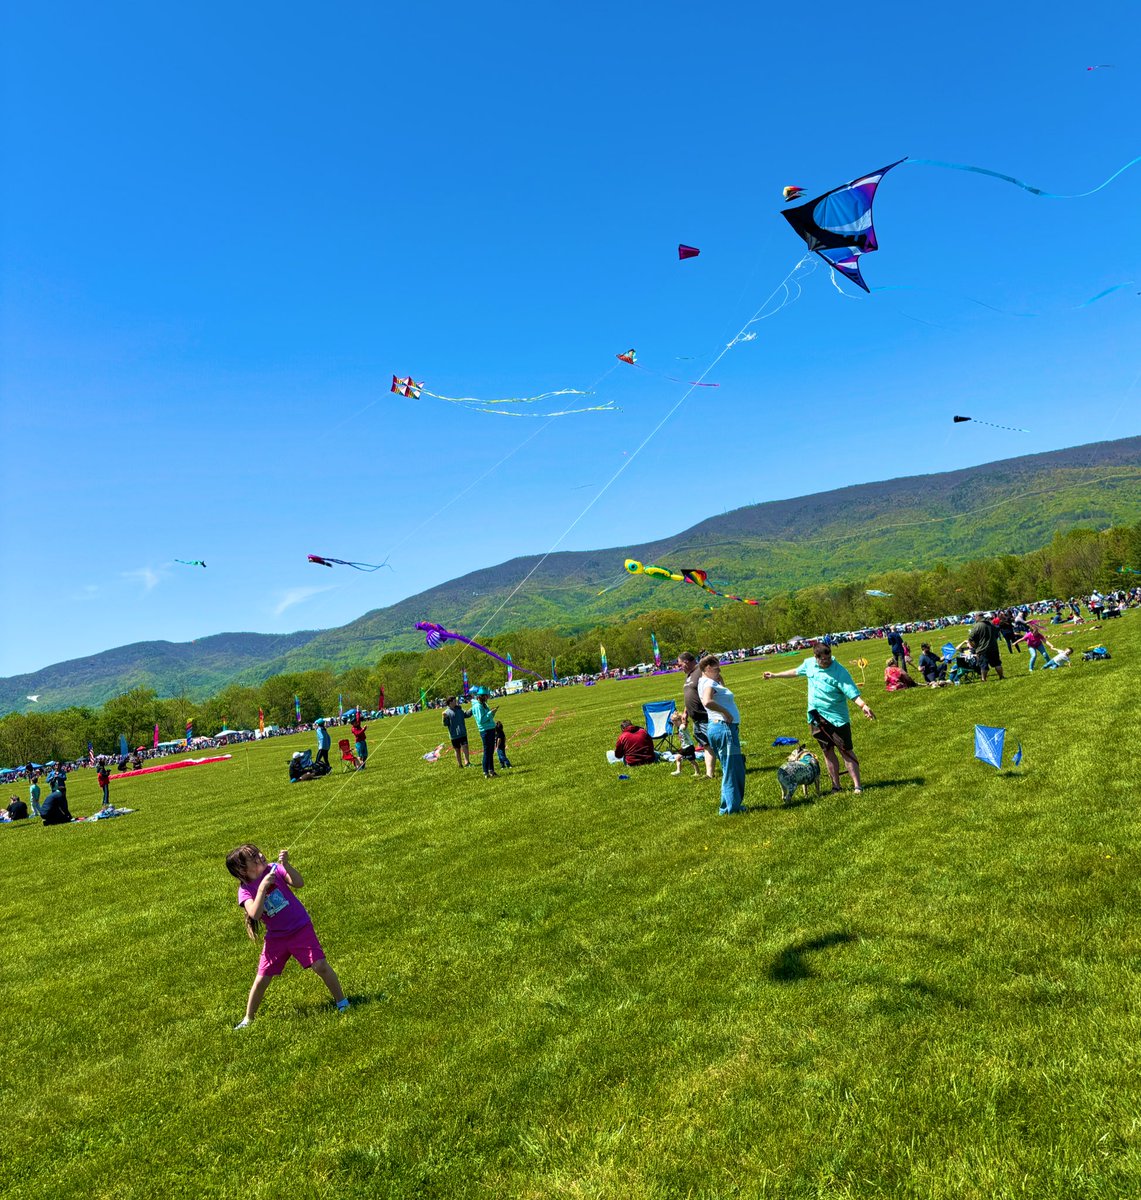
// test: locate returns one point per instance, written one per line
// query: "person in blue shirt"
(485, 723)
(830, 687)
(323, 744)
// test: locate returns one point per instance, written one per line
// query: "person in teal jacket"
(484, 718)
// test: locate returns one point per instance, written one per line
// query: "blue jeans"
(1034, 653)
(725, 742)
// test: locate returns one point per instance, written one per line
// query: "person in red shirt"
(635, 746)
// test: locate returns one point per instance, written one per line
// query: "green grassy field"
(568, 985)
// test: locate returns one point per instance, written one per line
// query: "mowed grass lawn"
(568, 985)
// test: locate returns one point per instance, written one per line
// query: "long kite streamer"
(413, 389)
(436, 635)
(191, 562)
(977, 421)
(1026, 187)
(322, 560)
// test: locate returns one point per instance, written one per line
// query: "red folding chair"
(349, 761)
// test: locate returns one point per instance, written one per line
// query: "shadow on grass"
(791, 964)
(324, 1008)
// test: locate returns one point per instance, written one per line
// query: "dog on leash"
(801, 768)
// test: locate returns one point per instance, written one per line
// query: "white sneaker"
(244, 1023)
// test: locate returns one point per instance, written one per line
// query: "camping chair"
(349, 761)
(658, 725)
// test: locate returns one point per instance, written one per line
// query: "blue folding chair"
(658, 725)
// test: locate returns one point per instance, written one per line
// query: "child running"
(265, 892)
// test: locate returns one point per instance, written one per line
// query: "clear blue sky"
(226, 226)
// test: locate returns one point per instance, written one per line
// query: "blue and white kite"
(989, 741)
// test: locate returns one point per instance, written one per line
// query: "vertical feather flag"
(603, 649)
(189, 732)
(155, 746)
(510, 668)
(261, 721)
(423, 698)
(297, 708)
(340, 705)
(381, 698)
(91, 754)
(124, 749)
(554, 673)
(467, 685)
(657, 652)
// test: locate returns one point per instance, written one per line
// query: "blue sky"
(226, 227)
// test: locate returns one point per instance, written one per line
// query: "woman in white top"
(724, 733)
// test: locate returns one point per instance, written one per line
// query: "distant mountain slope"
(1011, 506)
(197, 668)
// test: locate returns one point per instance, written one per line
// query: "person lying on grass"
(265, 894)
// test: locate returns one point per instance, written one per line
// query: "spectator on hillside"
(933, 669)
(54, 810)
(34, 795)
(324, 741)
(895, 645)
(455, 722)
(895, 678)
(635, 747)
(17, 810)
(725, 733)
(983, 643)
(830, 687)
(695, 710)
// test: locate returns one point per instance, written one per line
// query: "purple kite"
(684, 252)
(838, 225)
(436, 635)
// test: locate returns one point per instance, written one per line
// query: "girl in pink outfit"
(266, 895)
(1035, 640)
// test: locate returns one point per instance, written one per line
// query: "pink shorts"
(301, 944)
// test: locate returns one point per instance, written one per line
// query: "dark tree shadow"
(791, 964)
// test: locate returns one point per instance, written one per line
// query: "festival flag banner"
(261, 721)
(381, 698)
(155, 745)
(510, 668)
(554, 673)
(124, 749)
(467, 685)
(297, 708)
(603, 649)
(657, 652)
(423, 698)
(340, 705)
(189, 732)
(91, 754)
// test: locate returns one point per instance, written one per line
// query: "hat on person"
(296, 753)
(319, 721)
(479, 691)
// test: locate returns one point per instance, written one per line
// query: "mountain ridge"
(846, 533)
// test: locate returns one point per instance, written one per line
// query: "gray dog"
(801, 768)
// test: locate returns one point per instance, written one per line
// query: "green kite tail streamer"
(1026, 187)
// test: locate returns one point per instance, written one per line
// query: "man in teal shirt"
(485, 722)
(830, 687)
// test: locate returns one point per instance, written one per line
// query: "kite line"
(1026, 187)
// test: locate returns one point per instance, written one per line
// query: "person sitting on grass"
(933, 669)
(896, 679)
(635, 746)
(300, 768)
(54, 810)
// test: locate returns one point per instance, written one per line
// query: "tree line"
(1074, 563)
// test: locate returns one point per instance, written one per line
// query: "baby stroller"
(1096, 654)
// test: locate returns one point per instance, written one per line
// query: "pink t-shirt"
(1035, 639)
(283, 913)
